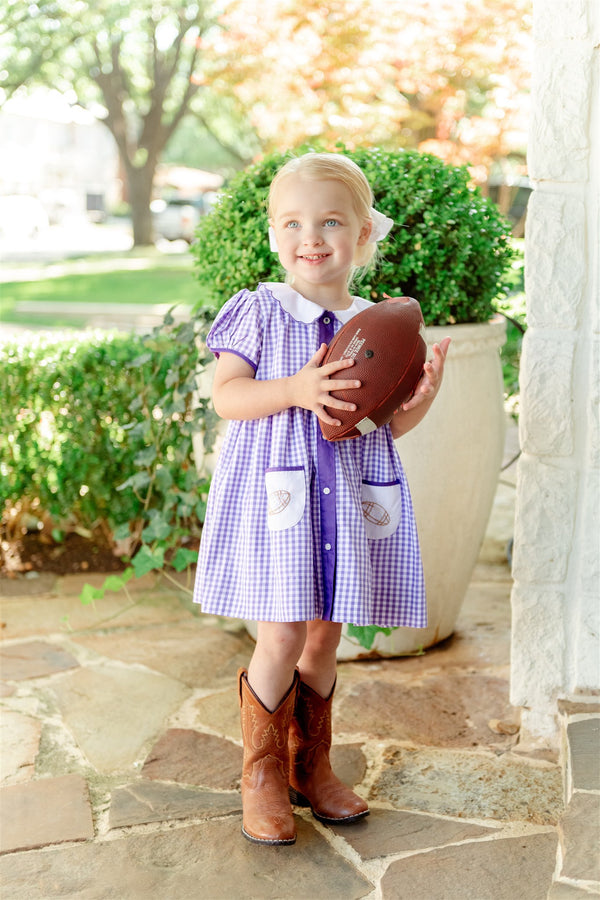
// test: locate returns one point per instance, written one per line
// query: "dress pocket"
(286, 497)
(381, 508)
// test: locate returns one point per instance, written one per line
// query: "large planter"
(452, 461)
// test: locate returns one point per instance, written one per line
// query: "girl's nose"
(312, 235)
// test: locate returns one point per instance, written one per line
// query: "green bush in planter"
(449, 246)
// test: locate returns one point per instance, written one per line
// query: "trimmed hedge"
(95, 430)
(449, 248)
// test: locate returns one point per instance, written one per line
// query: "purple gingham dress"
(299, 528)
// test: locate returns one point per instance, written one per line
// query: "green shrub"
(97, 431)
(63, 425)
(449, 246)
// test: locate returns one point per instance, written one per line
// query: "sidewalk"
(121, 757)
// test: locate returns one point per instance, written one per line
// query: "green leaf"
(116, 582)
(89, 594)
(136, 404)
(183, 558)
(140, 360)
(137, 481)
(145, 457)
(147, 559)
(173, 377)
(127, 575)
(366, 634)
(164, 478)
(158, 530)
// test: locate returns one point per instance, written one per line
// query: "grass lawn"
(147, 286)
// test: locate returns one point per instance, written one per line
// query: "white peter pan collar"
(304, 310)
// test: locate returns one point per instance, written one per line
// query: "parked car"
(176, 219)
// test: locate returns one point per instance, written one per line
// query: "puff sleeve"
(239, 328)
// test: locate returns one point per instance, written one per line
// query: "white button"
(328, 546)
(326, 490)
(326, 320)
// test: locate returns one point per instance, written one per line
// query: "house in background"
(59, 154)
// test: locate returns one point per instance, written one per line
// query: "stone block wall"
(556, 568)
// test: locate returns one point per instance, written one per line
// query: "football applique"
(277, 501)
(388, 346)
(375, 513)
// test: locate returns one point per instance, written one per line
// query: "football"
(387, 343)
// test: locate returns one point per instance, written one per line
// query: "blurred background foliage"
(218, 84)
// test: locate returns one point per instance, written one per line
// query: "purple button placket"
(327, 493)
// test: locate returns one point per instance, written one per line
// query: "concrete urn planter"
(452, 461)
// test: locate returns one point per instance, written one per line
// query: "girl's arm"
(412, 412)
(237, 394)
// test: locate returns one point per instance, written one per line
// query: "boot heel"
(297, 798)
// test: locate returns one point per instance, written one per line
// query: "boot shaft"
(265, 733)
(311, 724)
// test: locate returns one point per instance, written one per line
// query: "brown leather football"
(389, 350)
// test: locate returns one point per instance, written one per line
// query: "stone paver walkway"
(121, 755)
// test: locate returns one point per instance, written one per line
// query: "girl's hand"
(311, 386)
(431, 380)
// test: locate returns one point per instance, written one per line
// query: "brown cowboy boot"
(267, 811)
(312, 781)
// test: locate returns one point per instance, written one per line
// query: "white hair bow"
(379, 231)
(381, 226)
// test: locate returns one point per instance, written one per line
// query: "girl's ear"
(365, 232)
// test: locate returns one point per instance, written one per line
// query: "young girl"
(285, 540)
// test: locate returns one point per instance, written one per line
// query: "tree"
(131, 61)
(304, 70)
(463, 67)
(448, 76)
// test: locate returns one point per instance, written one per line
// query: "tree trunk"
(140, 182)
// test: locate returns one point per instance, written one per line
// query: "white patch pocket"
(286, 497)
(381, 508)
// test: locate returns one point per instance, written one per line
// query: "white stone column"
(556, 568)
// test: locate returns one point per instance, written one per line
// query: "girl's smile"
(314, 258)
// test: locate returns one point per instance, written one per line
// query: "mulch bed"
(36, 552)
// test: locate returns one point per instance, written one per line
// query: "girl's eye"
(330, 222)
(291, 225)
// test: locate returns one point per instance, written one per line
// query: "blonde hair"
(335, 167)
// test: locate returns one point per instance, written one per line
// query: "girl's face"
(317, 232)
